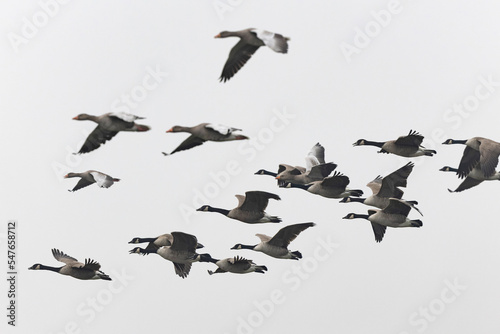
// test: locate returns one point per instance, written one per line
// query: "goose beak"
(217, 36)
(66, 176)
(170, 130)
(277, 177)
(75, 118)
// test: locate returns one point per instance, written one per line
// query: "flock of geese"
(478, 164)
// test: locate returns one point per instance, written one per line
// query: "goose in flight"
(89, 270)
(182, 252)
(204, 132)
(250, 40)
(478, 150)
(92, 176)
(250, 208)
(108, 125)
(394, 215)
(405, 146)
(277, 246)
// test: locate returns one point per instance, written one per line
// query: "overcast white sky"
(431, 66)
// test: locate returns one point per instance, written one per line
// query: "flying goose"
(204, 132)
(250, 40)
(394, 215)
(316, 168)
(160, 241)
(84, 271)
(386, 187)
(406, 146)
(92, 176)
(182, 252)
(250, 208)
(334, 186)
(236, 265)
(475, 177)
(277, 246)
(108, 125)
(479, 150)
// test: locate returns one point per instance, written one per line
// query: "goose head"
(176, 128)
(135, 241)
(237, 246)
(204, 208)
(454, 141)
(345, 200)
(36, 266)
(82, 117)
(359, 142)
(445, 169)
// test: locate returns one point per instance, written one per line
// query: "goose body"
(250, 40)
(474, 178)
(316, 168)
(334, 186)
(406, 146)
(250, 208)
(108, 125)
(277, 246)
(384, 188)
(90, 270)
(92, 176)
(157, 242)
(182, 252)
(204, 132)
(480, 151)
(394, 215)
(236, 265)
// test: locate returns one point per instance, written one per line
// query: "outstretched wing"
(65, 258)
(239, 55)
(288, 234)
(412, 139)
(190, 142)
(257, 200)
(96, 138)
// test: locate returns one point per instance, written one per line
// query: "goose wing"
(469, 160)
(468, 183)
(82, 183)
(489, 152)
(102, 180)
(263, 237)
(397, 206)
(96, 138)
(375, 184)
(288, 233)
(378, 231)
(239, 55)
(91, 265)
(221, 129)
(190, 142)
(322, 170)
(257, 201)
(337, 180)
(184, 242)
(182, 269)
(274, 41)
(412, 139)
(318, 151)
(125, 116)
(397, 178)
(65, 258)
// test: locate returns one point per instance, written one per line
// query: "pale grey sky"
(355, 69)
